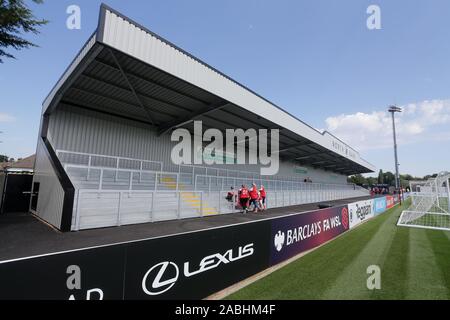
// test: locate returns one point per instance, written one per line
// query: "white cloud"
(4, 117)
(422, 121)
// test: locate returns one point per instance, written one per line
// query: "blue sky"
(316, 59)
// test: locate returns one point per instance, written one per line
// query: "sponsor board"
(90, 274)
(379, 205)
(196, 265)
(360, 211)
(396, 198)
(187, 266)
(295, 234)
(389, 202)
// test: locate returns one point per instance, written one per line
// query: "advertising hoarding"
(186, 266)
(379, 205)
(89, 274)
(389, 202)
(195, 265)
(295, 234)
(360, 211)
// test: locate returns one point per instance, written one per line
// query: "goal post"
(430, 204)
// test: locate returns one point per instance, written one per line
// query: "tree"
(407, 177)
(389, 178)
(380, 177)
(17, 18)
(357, 179)
(3, 158)
(372, 181)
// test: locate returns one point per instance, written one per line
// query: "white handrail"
(239, 173)
(90, 155)
(308, 185)
(158, 174)
(118, 169)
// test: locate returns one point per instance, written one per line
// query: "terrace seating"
(124, 191)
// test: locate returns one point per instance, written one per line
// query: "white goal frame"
(430, 206)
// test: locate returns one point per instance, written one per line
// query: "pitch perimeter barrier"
(364, 210)
(298, 233)
(191, 265)
(360, 211)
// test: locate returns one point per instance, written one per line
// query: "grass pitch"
(414, 263)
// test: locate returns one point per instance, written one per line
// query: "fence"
(113, 191)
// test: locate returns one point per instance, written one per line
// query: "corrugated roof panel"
(165, 56)
(101, 93)
(152, 74)
(82, 98)
(157, 92)
(173, 84)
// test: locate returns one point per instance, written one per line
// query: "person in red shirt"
(244, 196)
(254, 198)
(262, 193)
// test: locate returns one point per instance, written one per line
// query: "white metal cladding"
(133, 40)
(80, 130)
(84, 131)
(51, 194)
(88, 46)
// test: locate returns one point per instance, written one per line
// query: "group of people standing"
(377, 191)
(247, 199)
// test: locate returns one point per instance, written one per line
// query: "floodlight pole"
(393, 110)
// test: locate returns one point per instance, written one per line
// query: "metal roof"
(128, 71)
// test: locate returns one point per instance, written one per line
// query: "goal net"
(430, 205)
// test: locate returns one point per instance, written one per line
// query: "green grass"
(432, 220)
(414, 263)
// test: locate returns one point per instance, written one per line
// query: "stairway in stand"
(191, 198)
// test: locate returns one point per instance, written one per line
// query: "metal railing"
(187, 173)
(96, 160)
(213, 183)
(105, 208)
(228, 173)
(109, 195)
(101, 178)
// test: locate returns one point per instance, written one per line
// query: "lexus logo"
(160, 285)
(166, 274)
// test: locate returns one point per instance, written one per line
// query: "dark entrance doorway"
(17, 193)
(34, 196)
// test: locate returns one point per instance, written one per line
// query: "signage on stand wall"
(300, 170)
